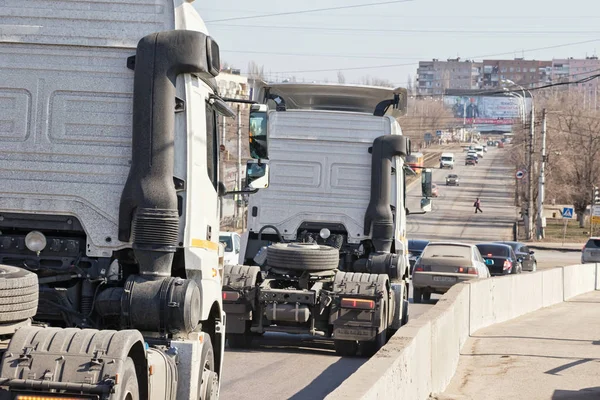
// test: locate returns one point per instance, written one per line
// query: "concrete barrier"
(579, 279)
(422, 357)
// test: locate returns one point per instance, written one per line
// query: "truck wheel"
(302, 257)
(209, 386)
(346, 348)
(404, 312)
(129, 383)
(417, 295)
(370, 348)
(18, 294)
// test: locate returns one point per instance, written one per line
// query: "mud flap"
(240, 281)
(358, 324)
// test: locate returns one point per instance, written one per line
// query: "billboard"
(488, 113)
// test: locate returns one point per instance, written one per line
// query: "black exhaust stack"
(379, 221)
(148, 214)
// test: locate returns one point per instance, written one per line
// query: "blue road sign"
(567, 212)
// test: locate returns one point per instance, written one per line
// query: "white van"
(447, 160)
(479, 151)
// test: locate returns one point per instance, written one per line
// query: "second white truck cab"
(326, 245)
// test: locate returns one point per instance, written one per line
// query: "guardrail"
(421, 358)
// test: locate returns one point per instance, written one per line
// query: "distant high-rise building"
(527, 73)
(572, 69)
(436, 76)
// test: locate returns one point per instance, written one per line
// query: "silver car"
(591, 251)
(442, 265)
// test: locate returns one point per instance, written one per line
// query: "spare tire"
(302, 257)
(19, 293)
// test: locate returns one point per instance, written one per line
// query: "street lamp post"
(529, 220)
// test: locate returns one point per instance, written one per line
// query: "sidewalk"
(553, 353)
(556, 246)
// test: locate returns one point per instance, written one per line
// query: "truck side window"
(212, 145)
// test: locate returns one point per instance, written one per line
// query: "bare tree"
(256, 71)
(341, 78)
(371, 81)
(425, 115)
(409, 85)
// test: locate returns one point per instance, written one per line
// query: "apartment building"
(435, 76)
(527, 73)
(572, 69)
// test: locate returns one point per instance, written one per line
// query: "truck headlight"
(35, 241)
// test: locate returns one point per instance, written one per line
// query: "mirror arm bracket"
(234, 192)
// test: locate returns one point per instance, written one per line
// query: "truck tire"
(345, 348)
(209, 386)
(18, 294)
(370, 348)
(129, 381)
(417, 295)
(302, 257)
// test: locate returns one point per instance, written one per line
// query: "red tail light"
(507, 265)
(362, 304)
(467, 270)
(473, 271)
(231, 296)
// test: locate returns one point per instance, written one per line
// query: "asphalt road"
(453, 217)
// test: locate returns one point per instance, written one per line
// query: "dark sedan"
(500, 258)
(525, 253)
(415, 249)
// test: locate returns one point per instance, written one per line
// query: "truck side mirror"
(257, 135)
(257, 174)
(426, 182)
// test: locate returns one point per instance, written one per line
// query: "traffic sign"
(520, 174)
(567, 212)
(596, 214)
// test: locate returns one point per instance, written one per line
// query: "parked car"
(415, 248)
(500, 258)
(443, 264)
(525, 253)
(470, 161)
(434, 190)
(591, 251)
(231, 241)
(452, 180)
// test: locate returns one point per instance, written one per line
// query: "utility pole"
(542, 182)
(529, 220)
(240, 213)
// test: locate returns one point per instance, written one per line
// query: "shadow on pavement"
(583, 394)
(330, 379)
(293, 344)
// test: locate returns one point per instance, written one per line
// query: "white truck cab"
(109, 211)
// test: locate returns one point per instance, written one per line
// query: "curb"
(563, 249)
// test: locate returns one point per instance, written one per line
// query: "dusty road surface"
(550, 354)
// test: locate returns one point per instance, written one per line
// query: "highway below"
(302, 367)
(453, 217)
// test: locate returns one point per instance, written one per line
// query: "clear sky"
(396, 35)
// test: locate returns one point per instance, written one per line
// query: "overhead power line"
(408, 64)
(309, 11)
(387, 31)
(323, 55)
